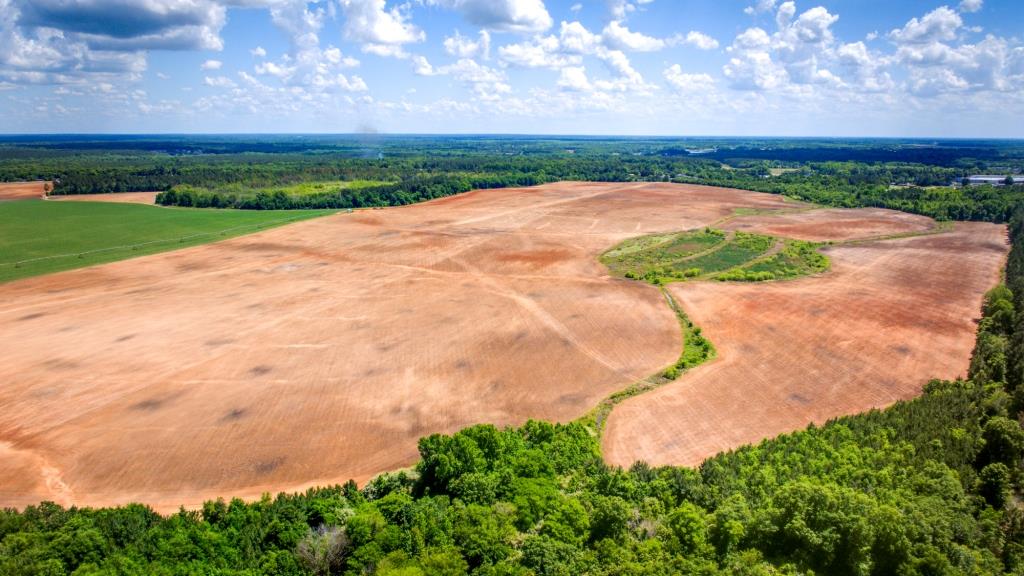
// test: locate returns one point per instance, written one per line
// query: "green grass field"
(307, 188)
(298, 189)
(40, 237)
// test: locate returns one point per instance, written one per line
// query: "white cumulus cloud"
(939, 25)
(619, 37)
(462, 47)
(970, 5)
(370, 22)
(700, 40)
(684, 82)
(502, 15)
(760, 6)
(219, 82)
(574, 78)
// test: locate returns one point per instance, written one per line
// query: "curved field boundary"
(890, 315)
(596, 418)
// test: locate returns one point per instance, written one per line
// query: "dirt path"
(119, 197)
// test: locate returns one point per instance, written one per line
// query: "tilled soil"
(21, 190)
(888, 317)
(321, 351)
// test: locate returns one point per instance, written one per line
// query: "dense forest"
(928, 486)
(207, 171)
(407, 191)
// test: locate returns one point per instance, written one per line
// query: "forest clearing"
(341, 340)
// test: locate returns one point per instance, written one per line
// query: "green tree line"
(910, 176)
(409, 191)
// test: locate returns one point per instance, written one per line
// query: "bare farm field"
(116, 197)
(322, 350)
(834, 224)
(21, 190)
(888, 317)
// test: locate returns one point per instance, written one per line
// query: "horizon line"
(500, 134)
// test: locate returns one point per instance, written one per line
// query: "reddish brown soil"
(21, 190)
(321, 351)
(889, 316)
(119, 197)
(833, 224)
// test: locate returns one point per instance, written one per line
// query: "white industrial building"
(986, 179)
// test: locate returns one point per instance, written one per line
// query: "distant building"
(986, 179)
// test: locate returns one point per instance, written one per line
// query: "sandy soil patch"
(321, 351)
(119, 197)
(21, 190)
(889, 316)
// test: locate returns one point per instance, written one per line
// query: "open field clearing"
(39, 237)
(888, 317)
(21, 190)
(321, 351)
(115, 197)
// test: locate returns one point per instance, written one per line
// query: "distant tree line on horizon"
(919, 189)
(409, 191)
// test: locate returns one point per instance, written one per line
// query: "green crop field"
(39, 237)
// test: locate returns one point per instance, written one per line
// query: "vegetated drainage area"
(322, 350)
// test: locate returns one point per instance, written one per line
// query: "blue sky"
(672, 67)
